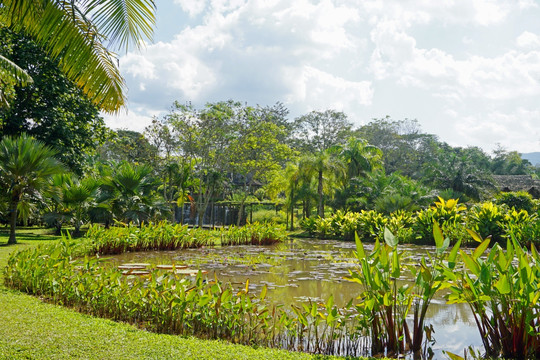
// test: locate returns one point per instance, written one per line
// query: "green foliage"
(163, 302)
(25, 166)
(268, 215)
(503, 290)
(387, 305)
(166, 236)
(487, 219)
(75, 34)
(447, 214)
(52, 108)
(519, 200)
(400, 224)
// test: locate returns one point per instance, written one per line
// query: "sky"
(467, 71)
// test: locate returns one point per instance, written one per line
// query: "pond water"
(302, 269)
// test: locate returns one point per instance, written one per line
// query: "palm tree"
(360, 157)
(127, 194)
(72, 198)
(74, 32)
(326, 166)
(25, 166)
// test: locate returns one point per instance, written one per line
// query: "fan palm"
(72, 198)
(25, 166)
(127, 194)
(74, 32)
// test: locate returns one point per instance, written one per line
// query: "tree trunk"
(242, 204)
(13, 220)
(320, 193)
(292, 217)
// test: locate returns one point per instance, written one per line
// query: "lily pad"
(171, 266)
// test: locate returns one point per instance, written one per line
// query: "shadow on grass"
(28, 234)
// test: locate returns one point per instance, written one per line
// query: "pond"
(302, 269)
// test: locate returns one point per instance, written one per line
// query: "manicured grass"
(32, 329)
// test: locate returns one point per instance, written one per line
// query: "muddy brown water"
(300, 270)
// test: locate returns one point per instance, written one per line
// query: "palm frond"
(11, 75)
(123, 21)
(70, 32)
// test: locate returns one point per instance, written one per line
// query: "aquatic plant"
(167, 303)
(386, 302)
(503, 291)
(167, 236)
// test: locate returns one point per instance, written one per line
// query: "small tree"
(25, 166)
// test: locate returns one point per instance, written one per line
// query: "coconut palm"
(75, 33)
(360, 157)
(25, 166)
(326, 166)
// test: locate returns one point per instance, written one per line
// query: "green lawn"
(32, 329)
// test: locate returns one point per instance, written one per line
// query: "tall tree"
(127, 193)
(25, 166)
(205, 137)
(405, 148)
(360, 157)
(320, 130)
(510, 163)
(128, 145)
(52, 108)
(74, 32)
(256, 150)
(327, 168)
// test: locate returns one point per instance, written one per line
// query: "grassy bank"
(32, 329)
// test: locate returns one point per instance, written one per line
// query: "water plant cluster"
(388, 316)
(497, 220)
(166, 236)
(165, 303)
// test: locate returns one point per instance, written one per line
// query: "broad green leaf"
(330, 302)
(534, 252)
(452, 356)
(474, 235)
(360, 253)
(437, 235)
(396, 267)
(480, 249)
(470, 263)
(484, 274)
(453, 255)
(389, 238)
(263, 292)
(503, 285)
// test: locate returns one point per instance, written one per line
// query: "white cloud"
(137, 118)
(528, 40)
(505, 128)
(192, 7)
(453, 64)
(326, 91)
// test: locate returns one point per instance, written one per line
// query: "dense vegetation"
(502, 293)
(234, 156)
(385, 181)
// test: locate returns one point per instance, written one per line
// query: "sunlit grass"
(32, 329)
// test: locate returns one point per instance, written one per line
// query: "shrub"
(448, 214)
(487, 219)
(519, 200)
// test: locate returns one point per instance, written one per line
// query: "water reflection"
(300, 270)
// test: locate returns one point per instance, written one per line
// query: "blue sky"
(468, 71)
